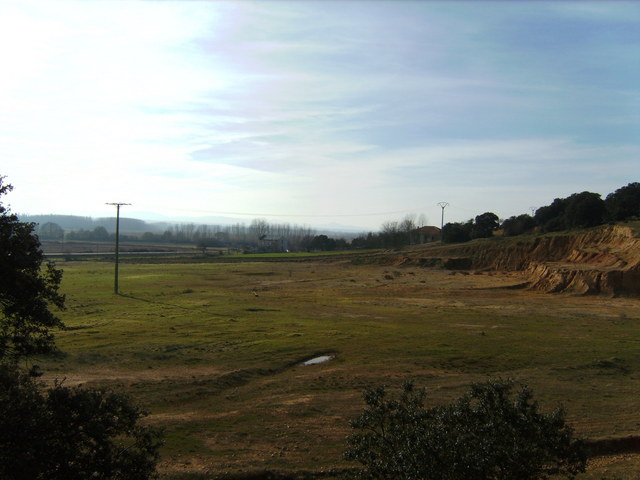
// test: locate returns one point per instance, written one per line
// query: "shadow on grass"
(613, 446)
(262, 475)
(153, 302)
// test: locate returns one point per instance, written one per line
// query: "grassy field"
(214, 351)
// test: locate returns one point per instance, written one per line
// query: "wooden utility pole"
(117, 204)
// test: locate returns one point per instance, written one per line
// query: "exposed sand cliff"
(604, 260)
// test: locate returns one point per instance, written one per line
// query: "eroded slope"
(603, 260)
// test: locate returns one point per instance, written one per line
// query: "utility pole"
(442, 205)
(118, 205)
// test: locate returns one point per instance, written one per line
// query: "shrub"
(65, 433)
(490, 433)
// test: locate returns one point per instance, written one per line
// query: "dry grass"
(213, 351)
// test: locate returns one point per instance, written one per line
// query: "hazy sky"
(354, 112)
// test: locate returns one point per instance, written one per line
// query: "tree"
(407, 226)
(551, 218)
(390, 235)
(484, 225)
(624, 203)
(322, 243)
(370, 240)
(259, 228)
(100, 234)
(513, 226)
(50, 231)
(58, 433)
(457, 232)
(585, 209)
(490, 433)
(29, 286)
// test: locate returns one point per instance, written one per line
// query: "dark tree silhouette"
(624, 203)
(551, 217)
(585, 209)
(457, 232)
(58, 433)
(29, 286)
(513, 226)
(484, 225)
(50, 231)
(322, 243)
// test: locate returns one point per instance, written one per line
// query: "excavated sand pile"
(604, 260)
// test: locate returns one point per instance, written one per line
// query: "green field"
(213, 351)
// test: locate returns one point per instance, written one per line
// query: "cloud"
(316, 108)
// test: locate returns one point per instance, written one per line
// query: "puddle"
(316, 360)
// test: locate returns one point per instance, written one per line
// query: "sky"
(316, 112)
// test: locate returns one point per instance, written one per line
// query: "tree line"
(579, 210)
(392, 234)
(258, 234)
(585, 209)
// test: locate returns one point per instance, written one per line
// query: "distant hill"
(74, 223)
(135, 226)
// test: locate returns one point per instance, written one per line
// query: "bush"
(65, 433)
(489, 433)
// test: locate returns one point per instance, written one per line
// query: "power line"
(259, 214)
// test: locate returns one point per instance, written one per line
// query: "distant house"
(269, 243)
(427, 234)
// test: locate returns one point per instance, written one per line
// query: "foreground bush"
(490, 433)
(65, 433)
